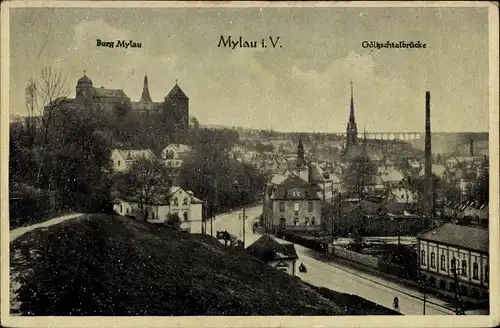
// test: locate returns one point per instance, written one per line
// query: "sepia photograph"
(190, 163)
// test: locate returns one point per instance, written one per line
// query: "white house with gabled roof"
(122, 159)
(184, 203)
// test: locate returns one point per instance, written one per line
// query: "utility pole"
(211, 222)
(244, 217)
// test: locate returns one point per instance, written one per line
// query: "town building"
(123, 159)
(174, 156)
(293, 205)
(455, 249)
(279, 255)
(180, 202)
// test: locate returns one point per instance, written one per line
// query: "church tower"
(145, 97)
(300, 153)
(352, 129)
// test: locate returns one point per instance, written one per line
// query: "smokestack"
(471, 148)
(428, 191)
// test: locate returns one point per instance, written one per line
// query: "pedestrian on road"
(396, 304)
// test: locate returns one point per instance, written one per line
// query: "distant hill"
(111, 265)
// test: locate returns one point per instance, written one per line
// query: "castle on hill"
(173, 110)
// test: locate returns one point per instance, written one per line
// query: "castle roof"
(176, 92)
(84, 81)
(111, 93)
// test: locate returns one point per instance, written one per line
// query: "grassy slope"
(104, 265)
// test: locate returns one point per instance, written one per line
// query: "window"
(296, 221)
(464, 268)
(486, 273)
(310, 206)
(443, 262)
(185, 216)
(313, 221)
(453, 263)
(296, 207)
(185, 201)
(153, 215)
(121, 208)
(176, 201)
(128, 210)
(433, 260)
(306, 221)
(422, 257)
(282, 206)
(118, 163)
(475, 271)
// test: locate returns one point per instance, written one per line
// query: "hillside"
(110, 265)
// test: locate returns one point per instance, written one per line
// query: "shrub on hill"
(105, 265)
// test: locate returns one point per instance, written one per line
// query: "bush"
(173, 221)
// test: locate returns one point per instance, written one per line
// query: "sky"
(304, 85)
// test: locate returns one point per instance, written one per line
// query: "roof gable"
(292, 185)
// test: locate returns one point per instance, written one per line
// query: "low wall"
(369, 261)
(363, 259)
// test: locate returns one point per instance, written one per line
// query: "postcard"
(249, 164)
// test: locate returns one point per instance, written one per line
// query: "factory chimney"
(428, 186)
(471, 150)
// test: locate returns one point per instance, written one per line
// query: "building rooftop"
(471, 238)
(134, 153)
(293, 183)
(267, 249)
(114, 93)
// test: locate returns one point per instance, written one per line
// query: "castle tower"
(145, 97)
(352, 129)
(177, 109)
(84, 87)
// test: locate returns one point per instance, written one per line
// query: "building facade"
(181, 202)
(453, 254)
(295, 206)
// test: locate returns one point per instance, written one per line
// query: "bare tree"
(147, 181)
(43, 97)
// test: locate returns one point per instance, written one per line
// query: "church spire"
(352, 119)
(300, 153)
(145, 97)
(352, 129)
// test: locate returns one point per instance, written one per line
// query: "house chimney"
(428, 191)
(471, 148)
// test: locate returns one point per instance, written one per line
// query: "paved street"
(338, 277)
